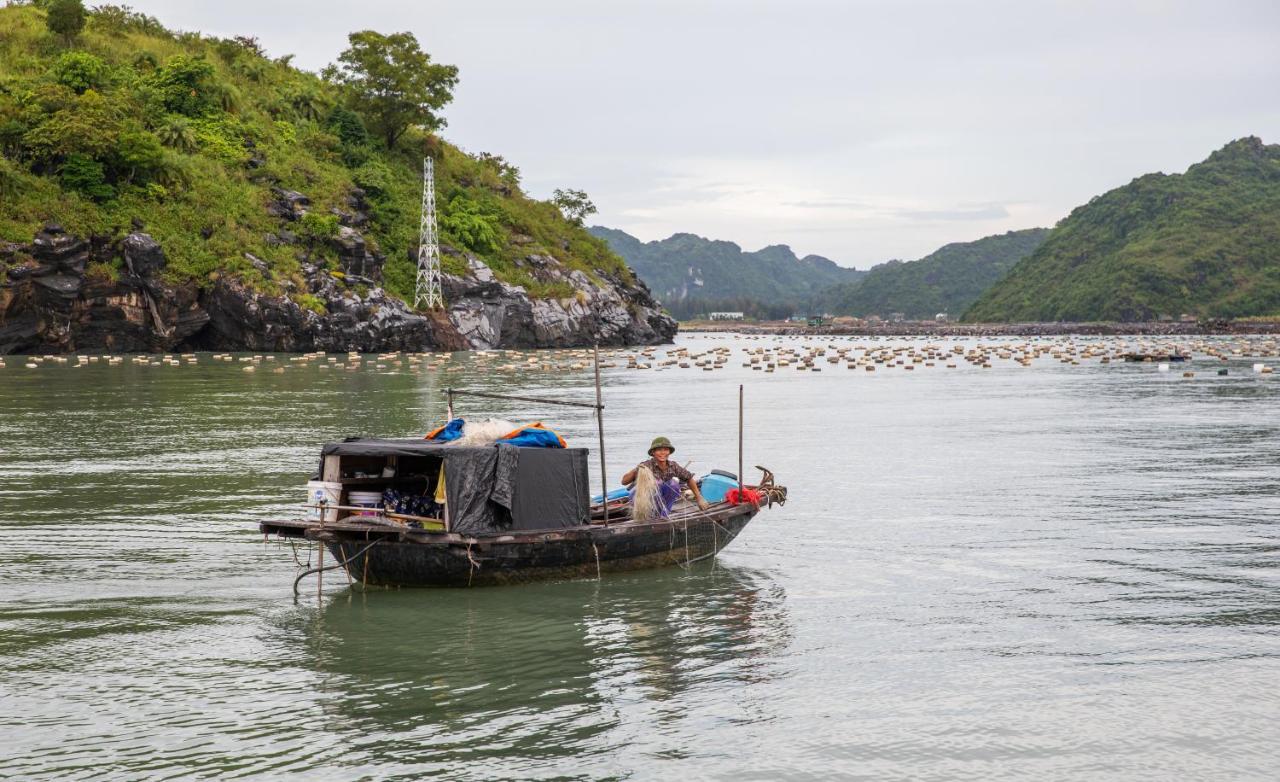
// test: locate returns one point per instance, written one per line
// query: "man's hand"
(702, 504)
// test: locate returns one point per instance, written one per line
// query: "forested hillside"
(945, 281)
(242, 167)
(1204, 243)
(690, 274)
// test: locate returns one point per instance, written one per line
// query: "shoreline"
(935, 329)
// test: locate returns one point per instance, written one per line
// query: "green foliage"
(309, 302)
(119, 20)
(1203, 243)
(90, 159)
(184, 86)
(137, 153)
(348, 127)
(574, 204)
(286, 132)
(79, 71)
(309, 104)
(316, 227)
(65, 19)
(509, 174)
(219, 138)
(156, 192)
(85, 175)
(393, 83)
(81, 125)
(470, 224)
(375, 178)
(178, 133)
(10, 179)
(947, 280)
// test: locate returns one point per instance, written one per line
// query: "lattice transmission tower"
(427, 291)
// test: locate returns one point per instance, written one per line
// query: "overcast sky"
(861, 131)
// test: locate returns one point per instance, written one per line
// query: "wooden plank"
(332, 469)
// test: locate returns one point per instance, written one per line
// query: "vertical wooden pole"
(739, 442)
(604, 478)
(320, 556)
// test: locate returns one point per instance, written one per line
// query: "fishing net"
(484, 432)
(646, 502)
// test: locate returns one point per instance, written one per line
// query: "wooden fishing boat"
(508, 514)
(379, 553)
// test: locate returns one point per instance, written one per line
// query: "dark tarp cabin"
(495, 488)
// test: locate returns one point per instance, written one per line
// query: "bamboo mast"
(604, 478)
(740, 488)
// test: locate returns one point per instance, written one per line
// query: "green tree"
(374, 177)
(507, 172)
(471, 224)
(87, 126)
(85, 175)
(308, 103)
(65, 19)
(137, 153)
(393, 83)
(177, 132)
(573, 204)
(79, 71)
(185, 85)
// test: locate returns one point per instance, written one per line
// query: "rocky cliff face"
(60, 294)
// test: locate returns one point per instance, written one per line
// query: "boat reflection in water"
(542, 674)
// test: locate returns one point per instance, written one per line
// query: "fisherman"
(668, 475)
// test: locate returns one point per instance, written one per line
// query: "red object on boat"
(734, 498)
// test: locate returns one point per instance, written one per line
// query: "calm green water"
(1063, 572)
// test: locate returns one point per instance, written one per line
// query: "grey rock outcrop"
(64, 293)
(489, 313)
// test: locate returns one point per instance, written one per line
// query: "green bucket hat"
(660, 442)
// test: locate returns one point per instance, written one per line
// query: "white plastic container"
(366, 499)
(328, 491)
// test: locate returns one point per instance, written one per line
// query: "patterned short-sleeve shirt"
(673, 470)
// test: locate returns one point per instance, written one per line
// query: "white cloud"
(856, 130)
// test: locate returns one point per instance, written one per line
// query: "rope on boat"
(700, 515)
(474, 564)
(293, 546)
(597, 550)
(341, 564)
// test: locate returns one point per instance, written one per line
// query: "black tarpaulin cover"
(565, 469)
(494, 488)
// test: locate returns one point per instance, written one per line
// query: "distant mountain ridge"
(947, 280)
(1203, 243)
(688, 269)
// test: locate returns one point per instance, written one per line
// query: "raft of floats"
(761, 353)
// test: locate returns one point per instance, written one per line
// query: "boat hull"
(391, 557)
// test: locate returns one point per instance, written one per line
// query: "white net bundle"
(484, 432)
(646, 502)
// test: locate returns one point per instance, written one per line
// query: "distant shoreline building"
(725, 316)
